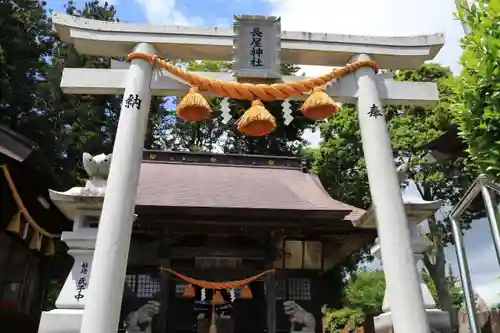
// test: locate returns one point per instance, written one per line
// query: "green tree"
(363, 293)
(452, 283)
(26, 41)
(79, 123)
(366, 291)
(83, 123)
(477, 88)
(339, 160)
(335, 321)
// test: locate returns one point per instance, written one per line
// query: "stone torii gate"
(361, 85)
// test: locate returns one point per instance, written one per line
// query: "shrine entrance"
(230, 244)
(273, 205)
(228, 310)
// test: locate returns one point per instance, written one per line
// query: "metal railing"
(484, 185)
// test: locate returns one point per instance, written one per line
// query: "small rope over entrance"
(217, 286)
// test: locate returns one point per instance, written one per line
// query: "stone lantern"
(417, 210)
(83, 206)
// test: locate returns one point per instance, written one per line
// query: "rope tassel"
(318, 105)
(217, 298)
(246, 293)
(193, 106)
(15, 224)
(189, 292)
(256, 121)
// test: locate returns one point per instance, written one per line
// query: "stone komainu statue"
(97, 168)
(483, 313)
(299, 316)
(139, 321)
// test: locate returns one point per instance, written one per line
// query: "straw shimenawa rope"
(249, 91)
(22, 207)
(217, 285)
(256, 121)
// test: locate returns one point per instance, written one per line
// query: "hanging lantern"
(193, 106)
(256, 121)
(318, 105)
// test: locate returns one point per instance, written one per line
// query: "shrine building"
(220, 217)
(30, 224)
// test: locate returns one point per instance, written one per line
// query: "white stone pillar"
(438, 320)
(81, 244)
(403, 284)
(67, 316)
(104, 296)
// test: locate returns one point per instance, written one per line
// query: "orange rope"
(249, 91)
(217, 285)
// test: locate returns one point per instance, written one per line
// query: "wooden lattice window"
(294, 289)
(130, 281)
(299, 289)
(143, 285)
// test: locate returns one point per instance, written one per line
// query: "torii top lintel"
(116, 39)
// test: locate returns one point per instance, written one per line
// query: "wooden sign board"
(257, 46)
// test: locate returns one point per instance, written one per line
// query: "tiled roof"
(233, 181)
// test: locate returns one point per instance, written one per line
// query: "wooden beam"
(98, 81)
(206, 251)
(164, 254)
(305, 227)
(270, 283)
(336, 253)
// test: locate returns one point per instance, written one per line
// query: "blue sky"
(211, 13)
(359, 17)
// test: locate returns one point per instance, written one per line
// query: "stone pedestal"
(81, 247)
(61, 321)
(83, 207)
(71, 301)
(417, 210)
(439, 321)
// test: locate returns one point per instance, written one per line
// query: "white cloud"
(373, 18)
(482, 261)
(490, 291)
(167, 12)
